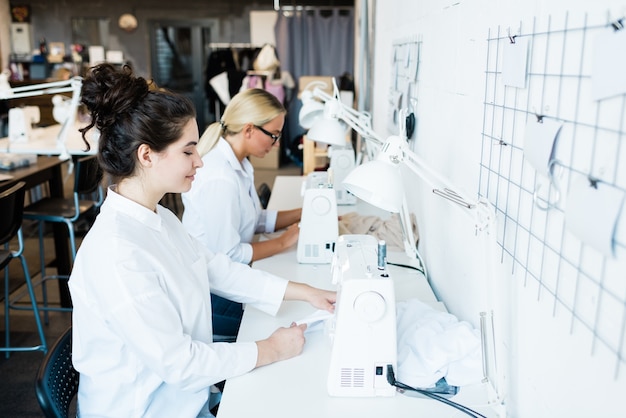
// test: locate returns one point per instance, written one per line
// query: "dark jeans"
(226, 316)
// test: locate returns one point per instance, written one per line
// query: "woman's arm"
(264, 249)
(319, 298)
(285, 343)
(287, 217)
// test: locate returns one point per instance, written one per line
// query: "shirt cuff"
(270, 220)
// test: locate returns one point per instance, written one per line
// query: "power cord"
(421, 270)
(391, 378)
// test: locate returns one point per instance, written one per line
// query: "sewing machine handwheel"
(370, 306)
(320, 205)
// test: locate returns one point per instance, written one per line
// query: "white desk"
(43, 141)
(297, 387)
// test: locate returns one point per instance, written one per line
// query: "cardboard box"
(306, 80)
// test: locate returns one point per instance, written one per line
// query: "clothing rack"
(234, 48)
(219, 45)
(305, 8)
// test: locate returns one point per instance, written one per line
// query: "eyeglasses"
(274, 137)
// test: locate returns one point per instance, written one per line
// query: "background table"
(48, 170)
(43, 141)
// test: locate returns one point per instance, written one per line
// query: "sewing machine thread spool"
(382, 255)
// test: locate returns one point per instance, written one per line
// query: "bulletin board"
(405, 63)
(553, 164)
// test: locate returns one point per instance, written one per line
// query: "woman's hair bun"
(110, 93)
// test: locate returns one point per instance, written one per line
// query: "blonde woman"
(222, 209)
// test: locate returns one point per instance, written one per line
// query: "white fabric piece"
(220, 85)
(434, 344)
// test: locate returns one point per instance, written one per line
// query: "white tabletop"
(297, 387)
(43, 141)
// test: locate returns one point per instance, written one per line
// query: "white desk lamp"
(63, 112)
(379, 182)
(326, 118)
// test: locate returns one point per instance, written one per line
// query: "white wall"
(551, 368)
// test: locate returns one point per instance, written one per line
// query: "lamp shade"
(311, 111)
(328, 131)
(378, 183)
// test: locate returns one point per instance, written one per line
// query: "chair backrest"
(88, 175)
(264, 193)
(57, 380)
(12, 210)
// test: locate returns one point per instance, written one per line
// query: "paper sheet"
(316, 320)
(609, 65)
(540, 144)
(514, 63)
(591, 214)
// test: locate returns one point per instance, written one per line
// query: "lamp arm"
(73, 85)
(321, 94)
(408, 235)
(76, 88)
(482, 211)
(441, 186)
(361, 124)
(41, 89)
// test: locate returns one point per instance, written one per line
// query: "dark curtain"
(317, 42)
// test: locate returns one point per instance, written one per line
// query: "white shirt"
(222, 209)
(142, 333)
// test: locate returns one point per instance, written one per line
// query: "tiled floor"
(17, 373)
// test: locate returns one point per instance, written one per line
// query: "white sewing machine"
(363, 333)
(21, 121)
(319, 224)
(341, 164)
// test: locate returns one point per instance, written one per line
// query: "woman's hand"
(290, 236)
(319, 298)
(283, 344)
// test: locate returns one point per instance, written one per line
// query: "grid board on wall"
(576, 278)
(405, 62)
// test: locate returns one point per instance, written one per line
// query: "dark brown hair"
(129, 111)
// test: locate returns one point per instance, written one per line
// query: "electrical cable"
(421, 270)
(421, 260)
(393, 382)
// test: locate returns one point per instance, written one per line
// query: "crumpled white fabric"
(434, 344)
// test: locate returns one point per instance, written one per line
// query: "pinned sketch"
(395, 104)
(514, 63)
(413, 63)
(540, 140)
(592, 213)
(609, 65)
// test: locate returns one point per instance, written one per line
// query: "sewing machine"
(319, 227)
(21, 121)
(363, 331)
(341, 164)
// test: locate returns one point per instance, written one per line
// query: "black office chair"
(264, 193)
(56, 384)
(12, 209)
(87, 197)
